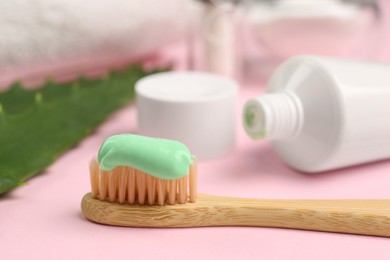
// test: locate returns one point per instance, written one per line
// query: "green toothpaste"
(161, 158)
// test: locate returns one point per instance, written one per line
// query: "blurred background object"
(276, 30)
(245, 38)
(213, 39)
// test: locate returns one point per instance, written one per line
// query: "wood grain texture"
(365, 217)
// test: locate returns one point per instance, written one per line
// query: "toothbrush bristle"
(128, 185)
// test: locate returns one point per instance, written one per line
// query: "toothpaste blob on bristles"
(161, 158)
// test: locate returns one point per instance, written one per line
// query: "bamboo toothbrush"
(126, 196)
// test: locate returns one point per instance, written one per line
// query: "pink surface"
(42, 220)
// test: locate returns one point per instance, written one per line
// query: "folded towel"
(64, 33)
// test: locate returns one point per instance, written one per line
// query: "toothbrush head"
(143, 170)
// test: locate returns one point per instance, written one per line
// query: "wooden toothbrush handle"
(365, 217)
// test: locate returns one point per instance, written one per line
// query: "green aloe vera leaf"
(37, 126)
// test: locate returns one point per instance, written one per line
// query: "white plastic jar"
(324, 113)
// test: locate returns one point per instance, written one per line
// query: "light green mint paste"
(161, 158)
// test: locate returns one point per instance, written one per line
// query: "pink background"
(42, 220)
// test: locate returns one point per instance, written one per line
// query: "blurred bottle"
(213, 43)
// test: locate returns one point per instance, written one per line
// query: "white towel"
(52, 32)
